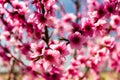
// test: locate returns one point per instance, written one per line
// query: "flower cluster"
(36, 42)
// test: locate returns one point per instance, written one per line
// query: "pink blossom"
(110, 7)
(39, 47)
(76, 27)
(101, 11)
(101, 56)
(25, 48)
(53, 74)
(41, 18)
(76, 40)
(108, 42)
(41, 37)
(20, 6)
(69, 17)
(87, 27)
(52, 57)
(115, 21)
(101, 27)
(61, 48)
(48, 3)
(82, 59)
(92, 5)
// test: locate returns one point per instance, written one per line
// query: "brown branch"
(12, 71)
(46, 36)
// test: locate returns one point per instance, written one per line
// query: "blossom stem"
(77, 6)
(46, 38)
(12, 71)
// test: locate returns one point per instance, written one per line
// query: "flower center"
(49, 57)
(76, 40)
